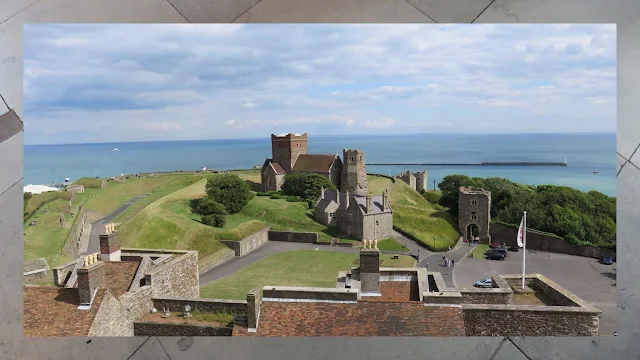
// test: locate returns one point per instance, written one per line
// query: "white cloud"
(267, 77)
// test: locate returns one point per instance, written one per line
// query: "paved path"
(412, 245)
(585, 277)
(272, 247)
(97, 226)
(436, 263)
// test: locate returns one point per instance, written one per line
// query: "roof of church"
(276, 166)
(315, 163)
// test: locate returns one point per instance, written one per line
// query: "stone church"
(364, 217)
(289, 153)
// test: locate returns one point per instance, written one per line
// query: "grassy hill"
(422, 220)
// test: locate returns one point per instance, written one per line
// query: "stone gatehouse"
(364, 217)
(474, 215)
(416, 180)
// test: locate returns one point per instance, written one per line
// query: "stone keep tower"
(421, 181)
(354, 173)
(286, 148)
(474, 214)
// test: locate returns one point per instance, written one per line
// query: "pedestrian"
(453, 262)
(449, 248)
(426, 266)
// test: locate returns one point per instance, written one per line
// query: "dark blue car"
(607, 260)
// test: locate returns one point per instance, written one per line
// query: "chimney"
(110, 244)
(369, 204)
(254, 298)
(370, 270)
(346, 200)
(90, 278)
(385, 199)
(338, 194)
(322, 192)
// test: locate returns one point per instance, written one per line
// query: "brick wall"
(112, 319)
(249, 243)
(155, 329)
(203, 305)
(537, 241)
(511, 320)
(292, 236)
(178, 277)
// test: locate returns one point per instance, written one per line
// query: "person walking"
(426, 266)
(453, 262)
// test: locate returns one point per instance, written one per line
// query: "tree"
(207, 206)
(216, 220)
(230, 191)
(307, 186)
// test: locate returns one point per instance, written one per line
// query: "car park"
(514, 248)
(502, 251)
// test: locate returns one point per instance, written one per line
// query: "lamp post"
(434, 243)
(418, 263)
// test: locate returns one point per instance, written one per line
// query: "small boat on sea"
(116, 149)
(595, 171)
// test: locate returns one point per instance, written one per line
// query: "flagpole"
(524, 247)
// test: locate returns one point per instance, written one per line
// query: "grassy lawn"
(41, 199)
(45, 239)
(291, 268)
(421, 219)
(392, 245)
(478, 252)
(377, 184)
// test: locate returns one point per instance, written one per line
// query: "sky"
(119, 83)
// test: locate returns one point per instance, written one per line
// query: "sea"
(584, 154)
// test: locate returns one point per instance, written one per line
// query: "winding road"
(98, 225)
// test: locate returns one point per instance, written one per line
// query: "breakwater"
(477, 164)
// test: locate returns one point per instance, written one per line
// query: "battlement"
(470, 190)
(289, 136)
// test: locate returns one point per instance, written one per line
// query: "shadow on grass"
(254, 186)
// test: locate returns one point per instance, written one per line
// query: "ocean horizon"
(584, 153)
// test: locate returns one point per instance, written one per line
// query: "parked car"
(486, 283)
(502, 251)
(494, 245)
(607, 260)
(514, 248)
(494, 255)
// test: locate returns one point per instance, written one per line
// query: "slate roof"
(314, 163)
(329, 197)
(375, 200)
(365, 318)
(52, 311)
(277, 167)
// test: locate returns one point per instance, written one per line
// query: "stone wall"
(138, 303)
(227, 255)
(292, 236)
(112, 319)
(179, 277)
(37, 277)
(249, 243)
(156, 329)
(514, 320)
(309, 293)
(203, 305)
(383, 230)
(537, 241)
(61, 273)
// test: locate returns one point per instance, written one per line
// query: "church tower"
(285, 149)
(354, 173)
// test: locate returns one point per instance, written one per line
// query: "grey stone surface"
(457, 11)
(474, 211)
(624, 346)
(151, 350)
(11, 160)
(508, 351)
(197, 11)
(11, 7)
(620, 161)
(304, 11)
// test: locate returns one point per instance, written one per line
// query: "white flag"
(521, 233)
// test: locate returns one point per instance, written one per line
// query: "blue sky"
(113, 83)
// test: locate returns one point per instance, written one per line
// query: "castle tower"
(285, 149)
(421, 181)
(474, 214)
(354, 173)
